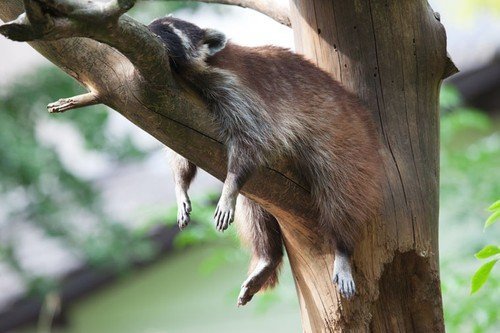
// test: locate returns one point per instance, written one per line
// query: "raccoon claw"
(256, 280)
(251, 286)
(342, 276)
(345, 284)
(183, 218)
(245, 296)
(223, 216)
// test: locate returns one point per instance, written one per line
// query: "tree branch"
(65, 104)
(271, 8)
(54, 20)
(451, 68)
(137, 83)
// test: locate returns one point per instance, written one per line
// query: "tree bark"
(391, 54)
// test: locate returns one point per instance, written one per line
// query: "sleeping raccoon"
(268, 102)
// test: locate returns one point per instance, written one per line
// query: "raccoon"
(268, 102)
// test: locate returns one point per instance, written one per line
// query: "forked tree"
(390, 53)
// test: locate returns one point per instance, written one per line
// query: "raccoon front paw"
(183, 211)
(224, 214)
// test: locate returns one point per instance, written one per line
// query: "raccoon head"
(187, 42)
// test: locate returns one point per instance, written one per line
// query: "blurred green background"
(193, 286)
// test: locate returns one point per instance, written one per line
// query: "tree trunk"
(392, 54)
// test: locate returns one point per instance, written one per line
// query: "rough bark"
(391, 54)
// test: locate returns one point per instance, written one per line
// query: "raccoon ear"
(215, 41)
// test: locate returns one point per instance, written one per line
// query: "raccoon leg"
(241, 164)
(261, 232)
(224, 213)
(184, 172)
(342, 271)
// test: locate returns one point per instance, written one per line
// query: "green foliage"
(489, 251)
(470, 143)
(469, 159)
(39, 187)
(495, 214)
(463, 313)
(481, 275)
(494, 207)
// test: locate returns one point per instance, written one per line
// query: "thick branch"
(270, 8)
(53, 20)
(159, 107)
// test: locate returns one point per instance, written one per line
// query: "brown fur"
(342, 131)
(269, 102)
(260, 231)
